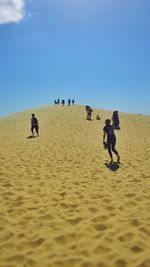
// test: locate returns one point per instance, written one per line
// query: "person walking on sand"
(34, 125)
(86, 108)
(73, 102)
(89, 112)
(108, 131)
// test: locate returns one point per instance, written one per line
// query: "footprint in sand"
(66, 238)
(73, 206)
(120, 263)
(110, 208)
(145, 231)
(136, 249)
(93, 210)
(69, 262)
(74, 221)
(130, 195)
(128, 204)
(64, 205)
(18, 259)
(46, 217)
(106, 200)
(126, 237)
(29, 245)
(101, 250)
(134, 222)
(100, 219)
(54, 201)
(100, 227)
(63, 194)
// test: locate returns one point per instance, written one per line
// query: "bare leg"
(32, 131)
(115, 151)
(110, 153)
(37, 130)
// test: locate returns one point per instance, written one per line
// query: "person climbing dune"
(108, 131)
(34, 125)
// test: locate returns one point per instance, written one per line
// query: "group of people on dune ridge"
(58, 101)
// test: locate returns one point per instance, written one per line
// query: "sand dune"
(60, 206)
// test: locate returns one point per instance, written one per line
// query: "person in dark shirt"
(89, 112)
(34, 125)
(115, 119)
(111, 140)
(69, 102)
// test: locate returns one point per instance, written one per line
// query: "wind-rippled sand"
(60, 206)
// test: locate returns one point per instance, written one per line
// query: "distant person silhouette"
(58, 101)
(55, 102)
(108, 131)
(86, 108)
(89, 112)
(73, 102)
(34, 125)
(63, 102)
(115, 120)
(69, 102)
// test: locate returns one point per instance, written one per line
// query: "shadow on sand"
(114, 166)
(30, 136)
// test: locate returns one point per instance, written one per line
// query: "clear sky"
(95, 51)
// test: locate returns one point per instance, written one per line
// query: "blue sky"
(95, 51)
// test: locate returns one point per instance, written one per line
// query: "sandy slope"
(60, 206)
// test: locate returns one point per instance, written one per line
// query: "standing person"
(58, 101)
(89, 112)
(73, 102)
(69, 102)
(86, 108)
(115, 120)
(34, 125)
(111, 140)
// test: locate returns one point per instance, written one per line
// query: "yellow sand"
(60, 206)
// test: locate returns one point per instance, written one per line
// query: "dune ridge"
(60, 206)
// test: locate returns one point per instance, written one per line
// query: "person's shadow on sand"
(30, 136)
(114, 166)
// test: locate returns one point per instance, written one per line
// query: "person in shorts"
(111, 140)
(34, 125)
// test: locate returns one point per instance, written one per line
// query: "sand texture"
(60, 206)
